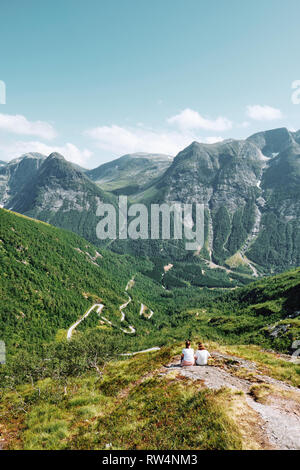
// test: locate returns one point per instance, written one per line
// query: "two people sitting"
(189, 357)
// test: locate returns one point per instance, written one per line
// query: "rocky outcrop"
(15, 174)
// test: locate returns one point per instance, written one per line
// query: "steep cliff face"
(16, 173)
(278, 241)
(61, 195)
(272, 142)
(215, 175)
(251, 193)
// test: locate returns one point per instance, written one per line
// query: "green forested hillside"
(50, 277)
(279, 293)
(266, 312)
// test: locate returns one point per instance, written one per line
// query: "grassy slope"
(252, 311)
(50, 277)
(56, 398)
(130, 405)
(93, 412)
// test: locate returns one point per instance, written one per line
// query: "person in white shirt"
(187, 356)
(201, 355)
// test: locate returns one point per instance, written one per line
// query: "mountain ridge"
(62, 195)
(130, 172)
(235, 177)
(249, 189)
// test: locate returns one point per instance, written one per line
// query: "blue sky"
(97, 79)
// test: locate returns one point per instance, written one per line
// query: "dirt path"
(213, 265)
(168, 267)
(277, 417)
(155, 348)
(253, 269)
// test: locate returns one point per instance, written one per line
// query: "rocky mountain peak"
(272, 142)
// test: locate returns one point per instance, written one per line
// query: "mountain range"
(250, 189)
(130, 173)
(90, 333)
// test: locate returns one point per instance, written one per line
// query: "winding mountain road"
(72, 328)
(155, 348)
(124, 306)
(99, 308)
(142, 312)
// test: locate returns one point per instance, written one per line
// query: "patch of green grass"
(47, 428)
(121, 374)
(85, 412)
(260, 392)
(132, 406)
(166, 414)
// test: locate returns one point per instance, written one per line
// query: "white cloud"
(263, 113)
(189, 119)
(18, 124)
(69, 151)
(182, 130)
(213, 140)
(114, 138)
(120, 140)
(244, 124)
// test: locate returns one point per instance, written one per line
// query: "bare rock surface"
(278, 418)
